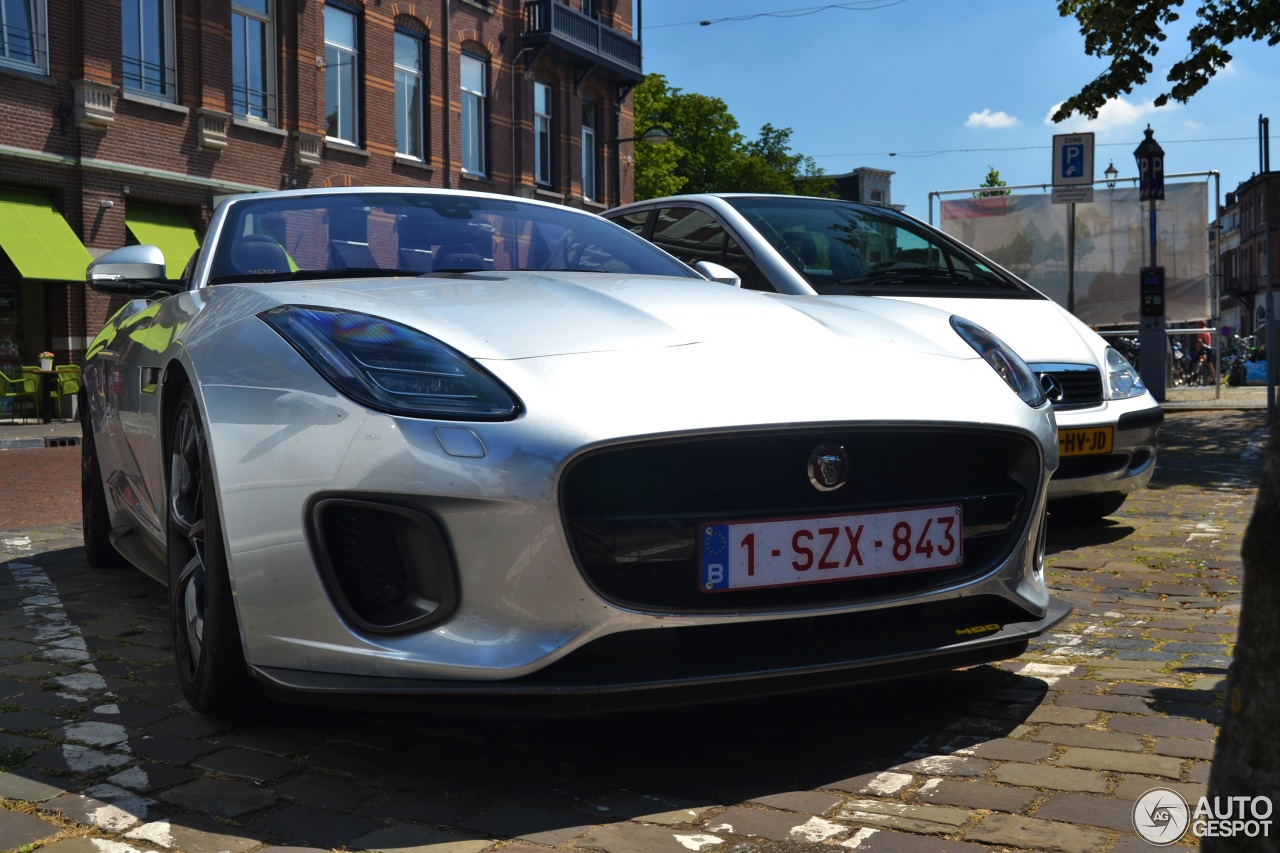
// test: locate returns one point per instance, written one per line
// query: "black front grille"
(1071, 467)
(386, 567)
(632, 513)
(370, 567)
(1081, 384)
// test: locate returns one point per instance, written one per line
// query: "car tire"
(206, 637)
(95, 517)
(1087, 507)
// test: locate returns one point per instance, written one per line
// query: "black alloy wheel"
(206, 637)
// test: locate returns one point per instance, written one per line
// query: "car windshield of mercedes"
(845, 248)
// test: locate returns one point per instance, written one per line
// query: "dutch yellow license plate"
(1085, 441)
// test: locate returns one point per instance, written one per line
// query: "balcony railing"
(548, 22)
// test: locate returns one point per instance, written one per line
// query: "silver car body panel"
(597, 361)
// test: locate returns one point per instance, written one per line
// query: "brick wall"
(150, 149)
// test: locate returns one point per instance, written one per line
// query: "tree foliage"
(1129, 33)
(707, 152)
(993, 181)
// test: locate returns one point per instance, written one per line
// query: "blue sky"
(939, 90)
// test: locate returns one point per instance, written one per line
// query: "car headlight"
(1003, 360)
(390, 367)
(1122, 380)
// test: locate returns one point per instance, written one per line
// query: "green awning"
(38, 240)
(166, 228)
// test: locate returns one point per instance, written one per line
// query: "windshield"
(352, 234)
(841, 247)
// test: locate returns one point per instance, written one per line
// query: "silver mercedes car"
(386, 444)
(843, 250)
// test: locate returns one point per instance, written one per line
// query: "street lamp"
(1151, 307)
(656, 135)
(1111, 174)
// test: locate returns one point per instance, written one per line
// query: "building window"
(590, 154)
(22, 34)
(341, 61)
(475, 74)
(409, 95)
(542, 133)
(146, 30)
(253, 92)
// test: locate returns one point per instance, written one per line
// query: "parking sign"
(1073, 159)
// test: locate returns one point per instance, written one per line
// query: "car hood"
(504, 316)
(1040, 331)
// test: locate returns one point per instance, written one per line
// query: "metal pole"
(448, 100)
(1264, 157)
(1071, 258)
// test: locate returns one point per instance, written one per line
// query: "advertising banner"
(1027, 234)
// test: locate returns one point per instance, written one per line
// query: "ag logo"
(1161, 816)
(828, 467)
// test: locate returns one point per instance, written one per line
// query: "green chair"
(30, 375)
(17, 392)
(67, 386)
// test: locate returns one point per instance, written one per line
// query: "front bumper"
(710, 663)
(1132, 460)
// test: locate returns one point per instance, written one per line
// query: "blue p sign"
(1072, 161)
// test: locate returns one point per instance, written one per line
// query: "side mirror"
(717, 272)
(137, 271)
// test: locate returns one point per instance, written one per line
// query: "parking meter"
(1151, 331)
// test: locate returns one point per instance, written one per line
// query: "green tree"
(1129, 33)
(705, 142)
(768, 165)
(656, 165)
(707, 152)
(993, 180)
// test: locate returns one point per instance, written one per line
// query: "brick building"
(1249, 228)
(124, 121)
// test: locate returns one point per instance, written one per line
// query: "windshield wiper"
(929, 275)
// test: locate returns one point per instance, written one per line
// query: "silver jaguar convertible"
(386, 444)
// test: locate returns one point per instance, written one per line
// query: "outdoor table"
(46, 407)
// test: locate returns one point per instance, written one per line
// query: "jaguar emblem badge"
(828, 467)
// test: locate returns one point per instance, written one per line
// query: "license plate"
(817, 549)
(1085, 441)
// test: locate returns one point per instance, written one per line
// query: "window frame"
(543, 134)
(168, 83)
(590, 152)
(268, 62)
(39, 39)
(475, 138)
(353, 88)
(404, 109)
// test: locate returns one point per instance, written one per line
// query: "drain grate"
(63, 441)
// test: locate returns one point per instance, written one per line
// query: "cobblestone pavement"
(1048, 752)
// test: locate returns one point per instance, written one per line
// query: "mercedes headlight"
(1003, 360)
(390, 367)
(1122, 380)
